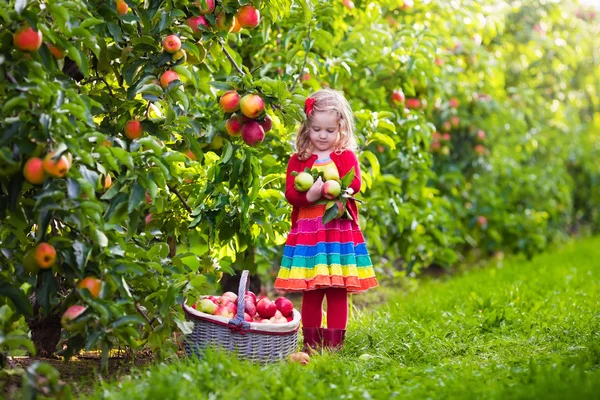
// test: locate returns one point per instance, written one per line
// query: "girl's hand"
(315, 191)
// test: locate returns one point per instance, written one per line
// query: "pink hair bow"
(308, 105)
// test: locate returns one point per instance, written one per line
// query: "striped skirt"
(318, 256)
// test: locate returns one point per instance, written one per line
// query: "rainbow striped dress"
(318, 256)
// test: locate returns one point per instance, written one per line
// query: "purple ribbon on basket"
(236, 326)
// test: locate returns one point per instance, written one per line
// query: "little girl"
(332, 259)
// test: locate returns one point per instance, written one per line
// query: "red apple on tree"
(67, 319)
(453, 102)
(168, 77)
(230, 101)
(248, 17)
(122, 7)
(223, 22)
(267, 123)
(252, 105)
(33, 171)
(233, 125)
(480, 135)
(252, 133)
(398, 97)
(195, 22)
(413, 103)
(27, 39)
(172, 44)
(206, 6)
(133, 129)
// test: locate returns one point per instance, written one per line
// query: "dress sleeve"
(352, 161)
(294, 197)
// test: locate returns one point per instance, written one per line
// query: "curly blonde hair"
(328, 100)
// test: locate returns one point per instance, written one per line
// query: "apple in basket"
(226, 310)
(230, 295)
(249, 307)
(248, 318)
(223, 300)
(285, 306)
(206, 306)
(266, 308)
(252, 295)
(290, 318)
(213, 298)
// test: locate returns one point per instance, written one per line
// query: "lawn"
(525, 329)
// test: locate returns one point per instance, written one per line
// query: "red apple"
(27, 39)
(172, 44)
(455, 121)
(349, 4)
(230, 101)
(248, 318)
(249, 306)
(290, 318)
(133, 129)
(224, 22)
(248, 17)
(251, 294)
(439, 61)
(122, 7)
(194, 22)
(206, 6)
(214, 299)
(267, 124)
(253, 134)
(300, 358)
(482, 221)
(148, 219)
(480, 149)
(398, 97)
(168, 77)
(285, 306)
(233, 125)
(481, 135)
(67, 319)
(266, 308)
(305, 77)
(446, 137)
(331, 190)
(252, 105)
(446, 126)
(453, 102)
(230, 295)
(413, 103)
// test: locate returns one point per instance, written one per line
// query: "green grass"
(523, 330)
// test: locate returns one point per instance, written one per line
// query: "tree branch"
(230, 57)
(143, 314)
(303, 65)
(185, 204)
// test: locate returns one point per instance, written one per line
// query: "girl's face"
(324, 130)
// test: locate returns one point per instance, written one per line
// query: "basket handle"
(239, 323)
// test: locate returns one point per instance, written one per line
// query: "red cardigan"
(344, 163)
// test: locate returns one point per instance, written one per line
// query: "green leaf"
(46, 289)
(127, 320)
(375, 168)
(98, 236)
(123, 156)
(348, 178)
(330, 214)
(136, 197)
(18, 298)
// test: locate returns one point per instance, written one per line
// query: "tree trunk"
(45, 330)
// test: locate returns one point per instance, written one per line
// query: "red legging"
(337, 308)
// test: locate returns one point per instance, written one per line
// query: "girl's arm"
(352, 161)
(294, 197)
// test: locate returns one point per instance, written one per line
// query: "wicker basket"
(249, 340)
